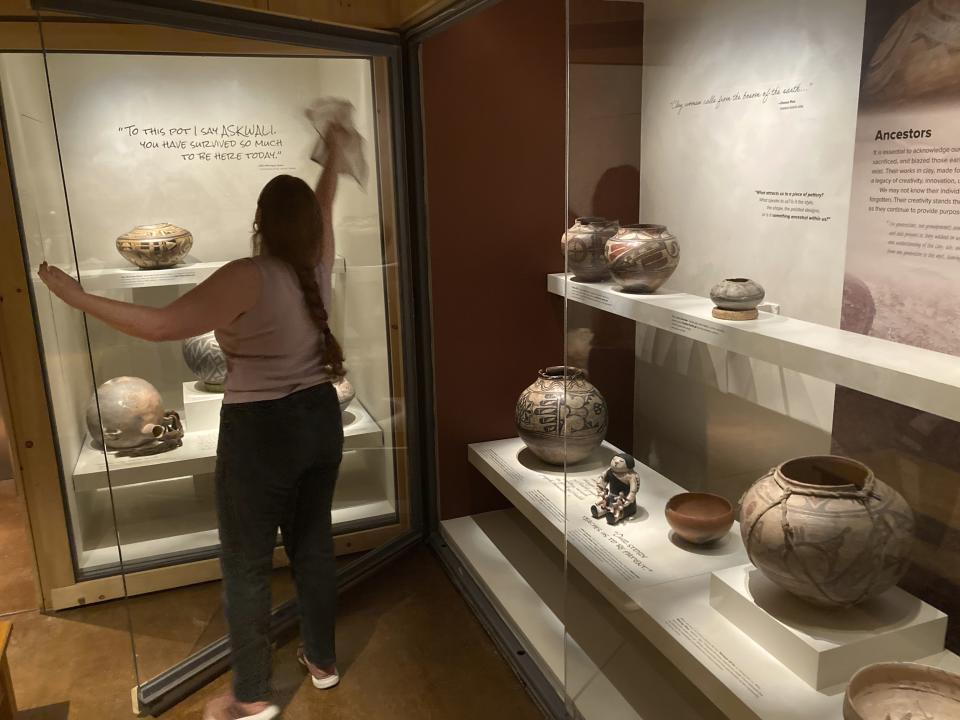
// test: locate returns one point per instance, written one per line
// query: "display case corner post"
(32, 438)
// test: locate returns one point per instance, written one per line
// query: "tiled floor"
(409, 648)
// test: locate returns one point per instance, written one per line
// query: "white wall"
(702, 164)
(703, 159)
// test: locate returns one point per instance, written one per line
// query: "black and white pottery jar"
(562, 408)
(736, 299)
(584, 245)
(206, 361)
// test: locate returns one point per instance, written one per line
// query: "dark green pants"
(277, 464)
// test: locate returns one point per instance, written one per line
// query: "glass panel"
(129, 141)
(806, 150)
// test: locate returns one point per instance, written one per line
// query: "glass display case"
(734, 494)
(136, 158)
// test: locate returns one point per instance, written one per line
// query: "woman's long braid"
(290, 227)
(331, 352)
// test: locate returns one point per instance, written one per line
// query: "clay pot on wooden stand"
(826, 529)
(562, 416)
(736, 299)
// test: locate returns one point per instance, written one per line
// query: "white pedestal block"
(825, 646)
(201, 409)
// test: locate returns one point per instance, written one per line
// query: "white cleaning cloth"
(329, 110)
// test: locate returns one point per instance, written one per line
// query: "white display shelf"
(919, 378)
(662, 589)
(128, 276)
(612, 674)
(196, 456)
(190, 542)
(826, 646)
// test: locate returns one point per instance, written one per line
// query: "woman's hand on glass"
(61, 284)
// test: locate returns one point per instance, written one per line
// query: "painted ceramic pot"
(584, 245)
(698, 517)
(152, 247)
(556, 409)
(131, 413)
(899, 691)
(642, 257)
(737, 294)
(345, 392)
(826, 529)
(206, 361)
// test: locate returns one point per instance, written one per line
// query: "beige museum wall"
(710, 417)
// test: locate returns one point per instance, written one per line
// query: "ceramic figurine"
(736, 299)
(157, 246)
(642, 257)
(584, 245)
(561, 417)
(126, 414)
(826, 529)
(617, 490)
(206, 361)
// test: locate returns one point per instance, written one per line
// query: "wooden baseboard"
(8, 704)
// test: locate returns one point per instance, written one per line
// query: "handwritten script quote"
(784, 95)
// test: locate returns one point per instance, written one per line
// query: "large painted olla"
(826, 529)
(562, 416)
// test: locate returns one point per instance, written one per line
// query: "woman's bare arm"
(214, 303)
(326, 192)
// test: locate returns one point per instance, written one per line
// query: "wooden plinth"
(722, 314)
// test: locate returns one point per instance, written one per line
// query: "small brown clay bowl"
(699, 518)
(898, 690)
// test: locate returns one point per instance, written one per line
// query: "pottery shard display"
(131, 415)
(902, 691)
(642, 257)
(206, 361)
(345, 392)
(699, 517)
(736, 299)
(584, 245)
(152, 247)
(827, 530)
(556, 409)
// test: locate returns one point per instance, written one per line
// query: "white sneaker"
(321, 680)
(226, 708)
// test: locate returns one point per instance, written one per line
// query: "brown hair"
(290, 227)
